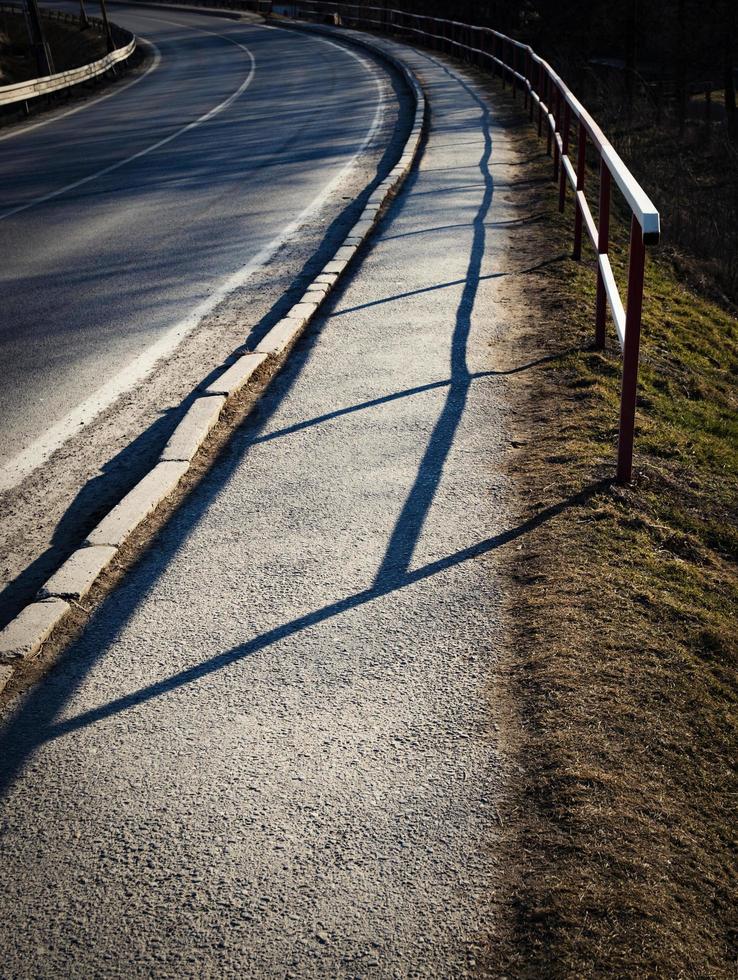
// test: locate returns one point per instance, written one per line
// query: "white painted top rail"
(558, 108)
(640, 203)
(638, 200)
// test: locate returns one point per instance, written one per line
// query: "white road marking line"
(29, 459)
(91, 102)
(148, 149)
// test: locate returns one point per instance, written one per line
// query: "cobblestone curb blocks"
(76, 576)
(190, 434)
(23, 637)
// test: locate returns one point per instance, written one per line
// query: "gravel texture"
(272, 753)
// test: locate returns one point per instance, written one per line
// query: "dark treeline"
(659, 77)
(683, 45)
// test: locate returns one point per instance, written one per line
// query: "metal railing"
(247, 6)
(20, 92)
(552, 106)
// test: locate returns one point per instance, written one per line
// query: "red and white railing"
(555, 109)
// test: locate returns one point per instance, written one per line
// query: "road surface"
(274, 751)
(123, 223)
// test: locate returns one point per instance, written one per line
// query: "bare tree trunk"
(41, 52)
(106, 22)
(681, 56)
(729, 31)
(631, 51)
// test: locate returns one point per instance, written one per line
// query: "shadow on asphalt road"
(34, 723)
(118, 475)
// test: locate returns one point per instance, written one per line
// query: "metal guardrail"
(559, 110)
(247, 6)
(20, 92)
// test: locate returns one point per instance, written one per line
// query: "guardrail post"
(540, 101)
(557, 119)
(564, 152)
(525, 75)
(603, 243)
(513, 49)
(636, 273)
(581, 171)
(108, 33)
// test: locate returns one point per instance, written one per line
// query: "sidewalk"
(273, 751)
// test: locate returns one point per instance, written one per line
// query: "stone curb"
(148, 493)
(190, 434)
(78, 573)
(236, 376)
(24, 635)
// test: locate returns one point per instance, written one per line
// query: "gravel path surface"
(272, 752)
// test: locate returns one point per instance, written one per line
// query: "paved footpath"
(273, 752)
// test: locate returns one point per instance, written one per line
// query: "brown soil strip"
(620, 695)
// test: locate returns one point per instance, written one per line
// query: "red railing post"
(540, 100)
(603, 243)
(581, 170)
(564, 152)
(512, 64)
(525, 75)
(557, 124)
(631, 348)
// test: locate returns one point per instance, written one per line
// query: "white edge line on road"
(154, 146)
(21, 131)
(33, 456)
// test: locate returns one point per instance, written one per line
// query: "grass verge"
(622, 860)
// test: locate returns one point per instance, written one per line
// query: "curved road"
(122, 223)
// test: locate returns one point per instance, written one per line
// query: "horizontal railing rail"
(247, 6)
(21, 92)
(553, 106)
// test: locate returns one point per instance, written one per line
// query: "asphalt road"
(123, 223)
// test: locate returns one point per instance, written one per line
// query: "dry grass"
(692, 176)
(621, 848)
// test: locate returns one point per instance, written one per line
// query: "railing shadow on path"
(34, 723)
(121, 472)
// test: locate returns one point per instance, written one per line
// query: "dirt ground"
(621, 733)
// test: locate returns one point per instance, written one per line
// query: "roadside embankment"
(81, 55)
(623, 603)
(71, 46)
